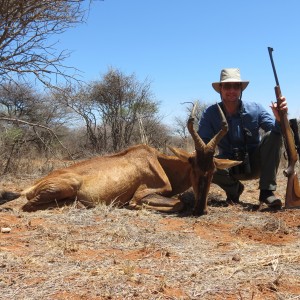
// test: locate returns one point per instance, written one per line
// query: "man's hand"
(282, 107)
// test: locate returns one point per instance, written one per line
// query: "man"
(261, 155)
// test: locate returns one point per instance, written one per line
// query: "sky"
(180, 46)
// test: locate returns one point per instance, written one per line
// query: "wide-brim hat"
(230, 75)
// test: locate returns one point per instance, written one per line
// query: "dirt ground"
(234, 252)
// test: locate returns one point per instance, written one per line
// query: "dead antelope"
(139, 177)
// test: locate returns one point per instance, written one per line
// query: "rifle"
(292, 196)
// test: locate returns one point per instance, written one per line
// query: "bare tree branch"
(33, 125)
(25, 29)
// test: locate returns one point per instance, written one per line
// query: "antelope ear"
(181, 154)
(222, 163)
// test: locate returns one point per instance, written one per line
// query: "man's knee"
(273, 139)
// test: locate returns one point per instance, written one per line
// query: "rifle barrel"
(273, 65)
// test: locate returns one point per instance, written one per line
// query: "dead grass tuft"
(109, 253)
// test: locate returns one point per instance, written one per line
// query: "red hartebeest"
(139, 176)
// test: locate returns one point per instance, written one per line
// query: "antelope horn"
(199, 144)
(224, 129)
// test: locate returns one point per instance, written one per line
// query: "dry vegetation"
(108, 253)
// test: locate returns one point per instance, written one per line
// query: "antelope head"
(203, 163)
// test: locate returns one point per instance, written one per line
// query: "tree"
(77, 97)
(122, 101)
(25, 29)
(158, 134)
(30, 123)
(114, 109)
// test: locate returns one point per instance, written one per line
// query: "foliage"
(26, 118)
(117, 110)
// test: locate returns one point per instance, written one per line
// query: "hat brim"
(217, 88)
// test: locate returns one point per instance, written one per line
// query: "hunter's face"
(231, 91)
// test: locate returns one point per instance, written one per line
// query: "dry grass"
(109, 253)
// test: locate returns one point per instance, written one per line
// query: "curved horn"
(224, 129)
(199, 144)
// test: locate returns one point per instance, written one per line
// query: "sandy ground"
(234, 252)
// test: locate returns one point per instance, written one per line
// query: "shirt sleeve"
(267, 121)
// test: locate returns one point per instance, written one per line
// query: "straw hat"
(230, 75)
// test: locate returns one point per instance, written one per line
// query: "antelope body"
(139, 176)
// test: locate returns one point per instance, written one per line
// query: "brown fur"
(124, 178)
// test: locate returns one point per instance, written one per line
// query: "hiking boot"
(268, 197)
(235, 199)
